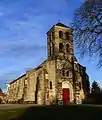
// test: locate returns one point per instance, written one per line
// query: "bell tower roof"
(60, 41)
(60, 25)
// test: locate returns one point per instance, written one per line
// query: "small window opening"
(60, 34)
(63, 73)
(67, 47)
(67, 35)
(67, 73)
(53, 35)
(50, 49)
(53, 48)
(49, 38)
(50, 85)
(60, 47)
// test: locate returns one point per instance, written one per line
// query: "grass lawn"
(70, 112)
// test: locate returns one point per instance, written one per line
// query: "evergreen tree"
(95, 89)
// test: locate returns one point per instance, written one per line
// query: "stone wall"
(29, 86)
(44, 84)
(15, 90)
(51, 70)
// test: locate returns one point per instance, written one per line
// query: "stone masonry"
(59, 78)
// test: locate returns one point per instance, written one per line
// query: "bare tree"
(87, 29)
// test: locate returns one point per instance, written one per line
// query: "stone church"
(59, 78)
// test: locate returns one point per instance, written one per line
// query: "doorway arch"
(66, 95)
(67, 92)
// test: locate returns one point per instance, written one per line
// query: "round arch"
(68, 85)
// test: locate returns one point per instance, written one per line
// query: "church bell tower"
(59, 42)
(60, 49)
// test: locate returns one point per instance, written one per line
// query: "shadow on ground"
(70, 112)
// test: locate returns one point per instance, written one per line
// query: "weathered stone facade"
(56, 77)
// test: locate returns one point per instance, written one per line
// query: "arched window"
(60, 34)
(63, 73)
(80, 85)
(67, 73)
(67, 47)
(50, 85)
(67, 35)
(60, 47)
(53, 47)
(49, 38)
(53, 35)
(50, 49)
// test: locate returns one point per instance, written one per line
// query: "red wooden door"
(66, 95)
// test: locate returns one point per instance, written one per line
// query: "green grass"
(70, 112)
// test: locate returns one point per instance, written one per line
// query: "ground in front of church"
(35, 112)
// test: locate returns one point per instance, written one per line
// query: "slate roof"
(62, 25)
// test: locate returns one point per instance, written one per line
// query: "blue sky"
(23, 27)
